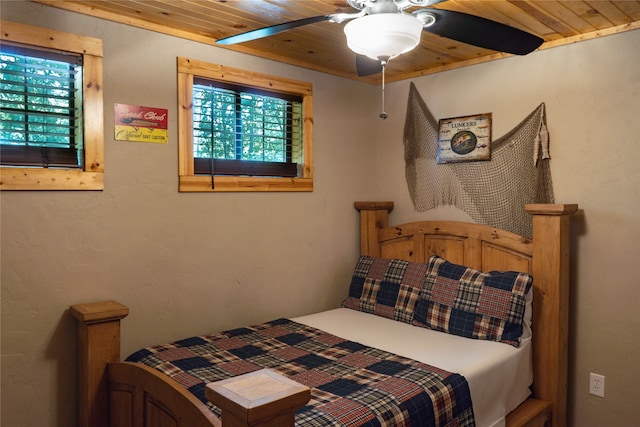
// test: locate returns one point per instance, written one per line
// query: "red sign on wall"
(141, 124)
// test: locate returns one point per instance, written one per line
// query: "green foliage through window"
(40, 108)
(233, 123)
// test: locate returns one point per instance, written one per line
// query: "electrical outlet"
(596, 384)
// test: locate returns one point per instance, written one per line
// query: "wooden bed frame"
(118, 394)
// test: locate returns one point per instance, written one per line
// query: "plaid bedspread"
(351, 384)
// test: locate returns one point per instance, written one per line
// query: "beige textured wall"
(184, 263)
(592, 95)
(192, 263)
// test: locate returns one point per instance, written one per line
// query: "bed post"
(550, 267)
(373, 217)
(98, 344)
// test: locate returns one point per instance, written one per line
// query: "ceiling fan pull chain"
(383, 115)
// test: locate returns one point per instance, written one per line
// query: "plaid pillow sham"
(462, 301)
(386, 287)
(442, 296)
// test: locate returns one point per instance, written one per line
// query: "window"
(242, 131)
(40, 99)
(239, 131)
(49, 83)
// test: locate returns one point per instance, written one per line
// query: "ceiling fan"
(384, 29)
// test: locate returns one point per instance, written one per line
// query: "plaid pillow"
(386, 287)
(462, 301)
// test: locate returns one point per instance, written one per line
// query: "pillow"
(386, 287)
(462, 301)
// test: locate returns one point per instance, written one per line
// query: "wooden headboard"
(545, 256)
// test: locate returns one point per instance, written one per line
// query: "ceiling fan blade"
(271, 30)
(366, 66)
(482, 32)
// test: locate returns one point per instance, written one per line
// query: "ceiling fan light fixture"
(383, 35)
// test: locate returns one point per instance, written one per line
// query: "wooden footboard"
(120, 394)
(142, 396)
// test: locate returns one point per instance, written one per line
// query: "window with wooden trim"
(243, 131)
(51, 125)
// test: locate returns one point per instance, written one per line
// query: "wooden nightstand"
(258, 399)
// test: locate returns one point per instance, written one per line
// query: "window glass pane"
(40, 106)
(238, 125)
(264, 128)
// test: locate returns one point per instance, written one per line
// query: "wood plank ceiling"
(322, 47)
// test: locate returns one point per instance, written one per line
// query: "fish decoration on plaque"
(463, 139)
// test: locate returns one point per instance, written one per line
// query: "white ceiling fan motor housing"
(383, 35)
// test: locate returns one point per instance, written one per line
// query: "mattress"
(499, 375)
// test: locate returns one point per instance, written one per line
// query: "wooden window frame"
(91, 175)
(188, 180)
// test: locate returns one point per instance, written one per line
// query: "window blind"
(243, 131)
(40, 108)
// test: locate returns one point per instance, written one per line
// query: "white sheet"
(498, 374)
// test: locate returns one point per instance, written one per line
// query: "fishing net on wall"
(491, 192)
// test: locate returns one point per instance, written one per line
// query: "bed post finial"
(373, 217)
(98, 344)
(550, 268)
